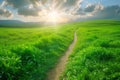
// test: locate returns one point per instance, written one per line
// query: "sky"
(59, 11)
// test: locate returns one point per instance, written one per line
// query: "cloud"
(73, 2)
(93, 8)
(109, 12)
(21, 3)
(69, 9)
(112, 11)
(28, 11)
(5, 13)
(89, 10)
(24, 7)
(2, 4)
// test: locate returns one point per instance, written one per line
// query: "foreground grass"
(28, 53)
(97, 52)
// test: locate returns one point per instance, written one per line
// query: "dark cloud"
(43, 1)
(17, 3)
(5, 13)
(23, 6)
(21, 3)
(91, 9)
(73, 2)
(28, 11)
(63, 2)
(111, 12)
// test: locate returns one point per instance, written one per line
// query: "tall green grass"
(29, 53)
(96, 55)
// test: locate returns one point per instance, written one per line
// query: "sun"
(53, 16)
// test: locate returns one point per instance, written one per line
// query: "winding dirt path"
(55, 73)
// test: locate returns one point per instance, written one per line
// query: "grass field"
(97, 52)
(29, 53)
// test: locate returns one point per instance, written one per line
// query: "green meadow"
(96, 55)
(29, 53)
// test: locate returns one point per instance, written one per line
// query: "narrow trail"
(55, 73)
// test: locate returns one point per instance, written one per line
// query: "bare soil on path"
(55, 73)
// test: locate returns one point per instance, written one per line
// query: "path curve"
(55, 73)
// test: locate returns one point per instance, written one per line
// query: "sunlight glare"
(53, 16)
